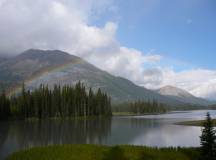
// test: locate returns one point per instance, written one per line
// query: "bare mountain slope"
(37, 67)
(181, 95)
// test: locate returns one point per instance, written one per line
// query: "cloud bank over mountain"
(67, 25)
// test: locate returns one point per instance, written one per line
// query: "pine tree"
(4, 107)
(208, 140)
(66, 101)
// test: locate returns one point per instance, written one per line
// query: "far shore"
(195, 123)
(135, 114)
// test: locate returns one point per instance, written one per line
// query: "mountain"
(182, 95)
(50, 67)
(3, 59)
(29, 64)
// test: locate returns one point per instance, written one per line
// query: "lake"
(149, 130)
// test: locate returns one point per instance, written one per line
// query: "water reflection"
(21, 135)
(152, 130)
(166, 135)
(3, 132)
(143, 124)
(4, 129)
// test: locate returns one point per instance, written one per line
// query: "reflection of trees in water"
(145, 123)
(40, 133)
(4, 128)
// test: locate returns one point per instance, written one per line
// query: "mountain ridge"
(181, 95)
(51, 67)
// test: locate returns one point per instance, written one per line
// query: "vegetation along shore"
(97, 152)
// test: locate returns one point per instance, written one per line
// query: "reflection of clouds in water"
(169, 135)
(159, 132)
(124, 130)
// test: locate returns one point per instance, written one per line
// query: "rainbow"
(17, 88)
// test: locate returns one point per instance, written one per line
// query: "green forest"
(141, 107)
(65, 101)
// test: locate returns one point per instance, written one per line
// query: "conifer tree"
(208, 140)
(4, 107)
(65, 101)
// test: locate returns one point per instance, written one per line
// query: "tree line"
(65, 101)
(141, 107)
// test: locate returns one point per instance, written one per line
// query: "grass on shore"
(196, 123)
(97, 152)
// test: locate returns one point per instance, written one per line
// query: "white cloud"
(48, 24)
(65, 25)
(125, 62)
(199, 82)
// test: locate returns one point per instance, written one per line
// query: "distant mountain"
(182, 95)
(1, 59)
(51, 67)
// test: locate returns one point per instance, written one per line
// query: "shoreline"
(197, 123)
(134, 114)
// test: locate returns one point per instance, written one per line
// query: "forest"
(63, 102)
(141, 107)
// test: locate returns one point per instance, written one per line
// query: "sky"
(150, 42)
(178, 29)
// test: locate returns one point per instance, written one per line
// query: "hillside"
(36, 67)
(181, 95)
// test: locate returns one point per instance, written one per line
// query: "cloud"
(50, 24)
(66, 25)
(199, 82)
(126, 62)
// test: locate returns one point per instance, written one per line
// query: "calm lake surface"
(150, 130)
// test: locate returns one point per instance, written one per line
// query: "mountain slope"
(37, 67)
(29, 64)
(181, 95)
(2, 59)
